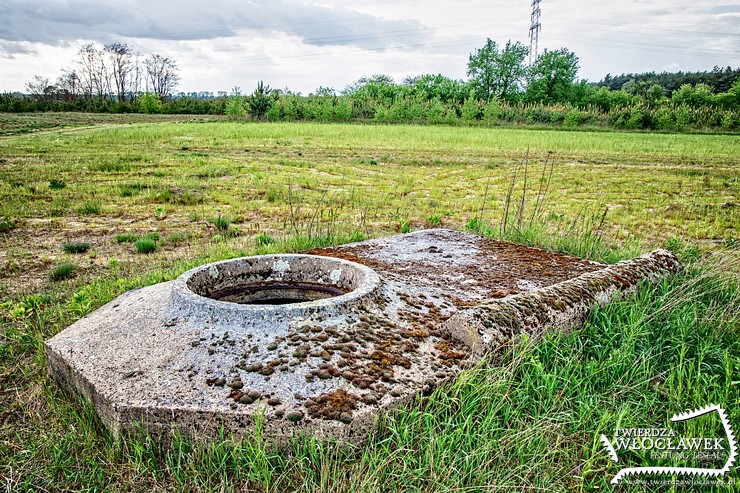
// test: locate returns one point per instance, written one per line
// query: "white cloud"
(301, 45)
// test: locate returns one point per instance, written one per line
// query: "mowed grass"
(360, 180)
(530, 422)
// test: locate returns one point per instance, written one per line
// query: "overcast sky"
(300, 44)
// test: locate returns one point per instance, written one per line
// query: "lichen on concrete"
(496, 322)
(412, 312)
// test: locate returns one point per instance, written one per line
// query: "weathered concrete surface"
(494, 323)
(170, 357)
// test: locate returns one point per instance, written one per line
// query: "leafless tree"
(137, 74)
(40, 88)
(69, 85)
(120, 59)
(96, 79)
(162, 75)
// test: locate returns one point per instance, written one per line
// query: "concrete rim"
(183, 296)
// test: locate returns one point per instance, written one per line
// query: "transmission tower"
(534, 30)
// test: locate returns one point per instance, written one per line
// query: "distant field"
(137, 174)
(21, 123)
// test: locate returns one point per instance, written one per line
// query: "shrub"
(146, 245)
(79, 247)
(471, 110)
(235, 107)
(729, 120)
(572, 118)
(150, 103)
(62, 271)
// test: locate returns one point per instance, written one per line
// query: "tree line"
(112, 72)
(501, 88)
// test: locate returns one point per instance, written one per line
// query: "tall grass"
(529, 422)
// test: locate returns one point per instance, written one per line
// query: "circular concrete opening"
(269, 280)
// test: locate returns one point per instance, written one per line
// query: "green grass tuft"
(62, 271)
(89, 207)
(6, 225)
(221, 223)
(126, 238)
(264, 239)
(78, 247)
(146, 245)
(55, 184)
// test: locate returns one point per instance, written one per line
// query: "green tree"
(655, 95)
(731, 98)
(511, 71)
(695, 97)
(150, 103)
(235, 107)
(552, 76)
(427, 87)
(495, 73)
(260, 102)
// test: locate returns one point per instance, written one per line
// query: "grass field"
(89, 209)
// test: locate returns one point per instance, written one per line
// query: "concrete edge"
(493, 323)
(70, 380)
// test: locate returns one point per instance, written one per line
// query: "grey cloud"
(9, 50)
(723, 9)
(55, 22)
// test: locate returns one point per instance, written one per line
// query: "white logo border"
(681, 471)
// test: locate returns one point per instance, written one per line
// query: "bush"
(492, 111)
(146, 245)
(235, 107)
(76, 247)
(471, 110)
(150, 103)
(63, 271)
(572, 118)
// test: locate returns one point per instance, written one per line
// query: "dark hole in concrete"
(280, 280)
(277, 293)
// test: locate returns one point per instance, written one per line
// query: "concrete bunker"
(321, 343)
(267, 280)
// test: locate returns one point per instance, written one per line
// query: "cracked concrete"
(365, 327)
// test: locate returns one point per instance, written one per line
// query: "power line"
(641, 46)
(534, 30)
(353, 52)
(682, 33)
(226, 31)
